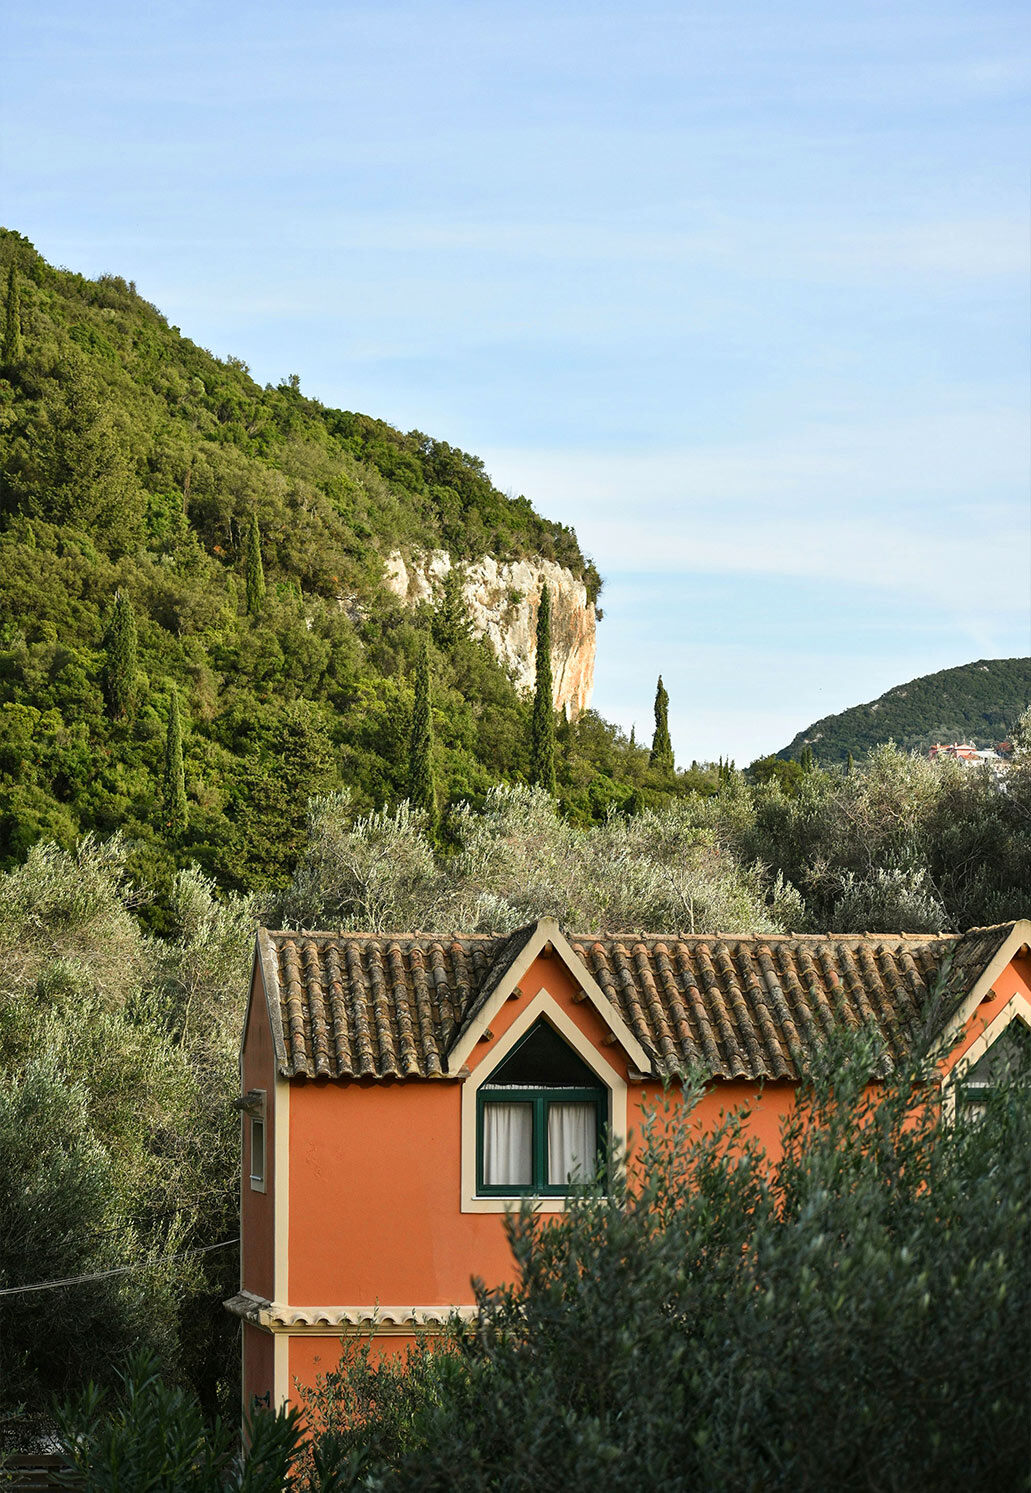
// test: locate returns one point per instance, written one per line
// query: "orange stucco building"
(400, 1092)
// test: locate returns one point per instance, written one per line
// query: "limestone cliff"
(502, 601)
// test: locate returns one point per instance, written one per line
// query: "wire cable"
(78, 1280)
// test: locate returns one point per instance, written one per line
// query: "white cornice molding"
(340, 1321)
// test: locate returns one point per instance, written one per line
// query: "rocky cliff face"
(502, 601)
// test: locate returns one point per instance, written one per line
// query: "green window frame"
(540, 1100)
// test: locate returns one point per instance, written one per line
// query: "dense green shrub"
(118, 1142)
(849, 1315)
(151, 1437)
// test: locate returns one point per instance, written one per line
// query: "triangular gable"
(1017, 938)
(263, 966)
(512, 962)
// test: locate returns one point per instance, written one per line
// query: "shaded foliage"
(421, 791)
(174, 783)
(848, 1312)
(255, 569)
(153, 1436)
(118, 1143)
(120, 649)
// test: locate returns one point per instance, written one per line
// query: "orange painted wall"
(257, 1209)
(374, 1198)
(375, 1180)
(257, 1365)
(551, 975)
(767, 1108)
(312, 1356)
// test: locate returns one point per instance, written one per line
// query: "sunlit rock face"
(502, 601)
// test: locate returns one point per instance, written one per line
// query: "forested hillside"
(979, 702)
(135, 465)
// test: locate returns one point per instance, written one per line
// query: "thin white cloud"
(926, 506)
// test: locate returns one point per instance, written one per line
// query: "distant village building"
(966, 752)
(400, 1092)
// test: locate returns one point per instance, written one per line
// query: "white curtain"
(507, 1145)
(572, 1142)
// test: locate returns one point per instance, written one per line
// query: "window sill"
(512, 1202)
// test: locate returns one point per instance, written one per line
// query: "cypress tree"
(119, 675)
(173, 788)
(421, 790)
(542, 740)
(806, 760)
(451, 617)
(850, 765)
(662, 748)
(255, 569)
(12, 322)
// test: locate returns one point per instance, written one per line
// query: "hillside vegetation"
(134, 464)
(979, 703)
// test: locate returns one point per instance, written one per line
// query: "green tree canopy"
(255, 569)
(421, 789)
(173, 788)
(12, 344)
(120, 666)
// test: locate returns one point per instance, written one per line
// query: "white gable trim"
(264, 963)
(1015, 941)
(547, 1006)
(548, 931)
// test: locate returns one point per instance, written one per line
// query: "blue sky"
(740, 291)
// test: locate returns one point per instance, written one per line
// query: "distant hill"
(979, 702)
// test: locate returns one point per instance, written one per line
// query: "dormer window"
(541, 1119)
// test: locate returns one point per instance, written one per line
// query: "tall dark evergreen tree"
(542, 741)
(255, 569)
(662, 748)
(421, 789)
(119, 675)
(451, 616)
(806, 759)
(12, 352)
(173, 788)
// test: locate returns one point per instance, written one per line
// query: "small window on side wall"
(257, 1126)
(541, 1120)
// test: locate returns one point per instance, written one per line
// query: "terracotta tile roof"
(358, 1005)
